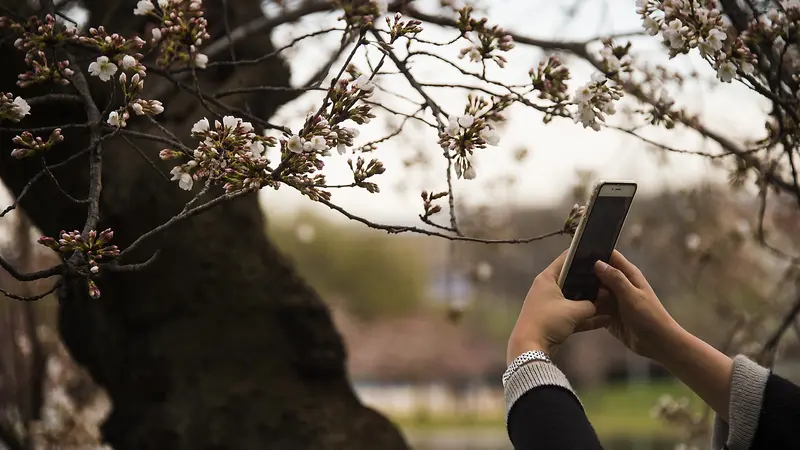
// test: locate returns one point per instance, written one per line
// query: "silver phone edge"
(573, 246)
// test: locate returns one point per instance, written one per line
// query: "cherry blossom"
(200, 60)
(726, 71)
(490, 136)
(184, 179)
(466, 120)
(128, 62)
(13, 109)
(452, 128)
(470, 173)
(295, 144)
(364, 83)
(116, 119)
(318, 143)
(22, 107)
(103, 68)
(144, 7)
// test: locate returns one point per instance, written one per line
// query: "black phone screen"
(597, 242)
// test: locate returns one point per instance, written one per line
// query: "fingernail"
(600, 265)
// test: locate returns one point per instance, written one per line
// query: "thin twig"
(768, 350)
(69, 196)
(145, 157)
(183, 216)
(30, 298)
(46, 273)
(396, 229)
(133, 267)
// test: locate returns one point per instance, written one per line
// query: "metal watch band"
(525, 358)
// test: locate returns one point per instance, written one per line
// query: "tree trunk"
(218, 344)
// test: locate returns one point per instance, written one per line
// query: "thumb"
(614, 279)
(582, 310)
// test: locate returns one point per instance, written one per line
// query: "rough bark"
(218, 344)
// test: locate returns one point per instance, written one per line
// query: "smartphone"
(595, 238)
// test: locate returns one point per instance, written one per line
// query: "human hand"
(630, 310)
(547, 319)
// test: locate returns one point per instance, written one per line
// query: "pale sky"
(556, 150)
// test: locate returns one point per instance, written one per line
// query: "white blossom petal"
(143, 8)
(186, 181)
(491, 136)
(200, 60)
(466, 120)
(295, 144)
(128, 62)
(230, 122)
(114, 119)
(470, 173)
(200, 126)
(21, 107)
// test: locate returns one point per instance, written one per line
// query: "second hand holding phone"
(595, 238)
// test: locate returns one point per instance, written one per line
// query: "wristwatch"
(525, 358)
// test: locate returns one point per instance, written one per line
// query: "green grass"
(614, 410)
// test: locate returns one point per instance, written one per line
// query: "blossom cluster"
(30, 145)
(615, 59)
(181, 30)
(363, 170)
(326, 130)
(429, 207)
(472, 130)
(229, 152)
(120, 54)
(485, 42)
(94, 249)
(13, 108)
(124, 51)
(35, 37)
(688, 24)
(549, 79)
(574, 219)
(399, 27)
(595, 100)
(361, 13)
(132, 102)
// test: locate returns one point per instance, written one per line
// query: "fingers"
(554, 269)
(615, 280)
(605, 303)
(582, 310)
(593, 323)
(629, 269)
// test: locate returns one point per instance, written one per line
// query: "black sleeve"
(779, 423)
(550, 418)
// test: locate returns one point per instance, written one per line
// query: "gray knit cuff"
(747, 395)
(532, 375)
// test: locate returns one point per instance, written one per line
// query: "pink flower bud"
(94, 292)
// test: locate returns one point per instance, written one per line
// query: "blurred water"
(497, 440)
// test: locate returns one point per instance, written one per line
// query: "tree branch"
(31, 298)
(183, 216)
(46, 273)
(95, 148)
(395, 229)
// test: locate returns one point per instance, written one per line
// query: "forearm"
(706, 370)
(543, 412)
